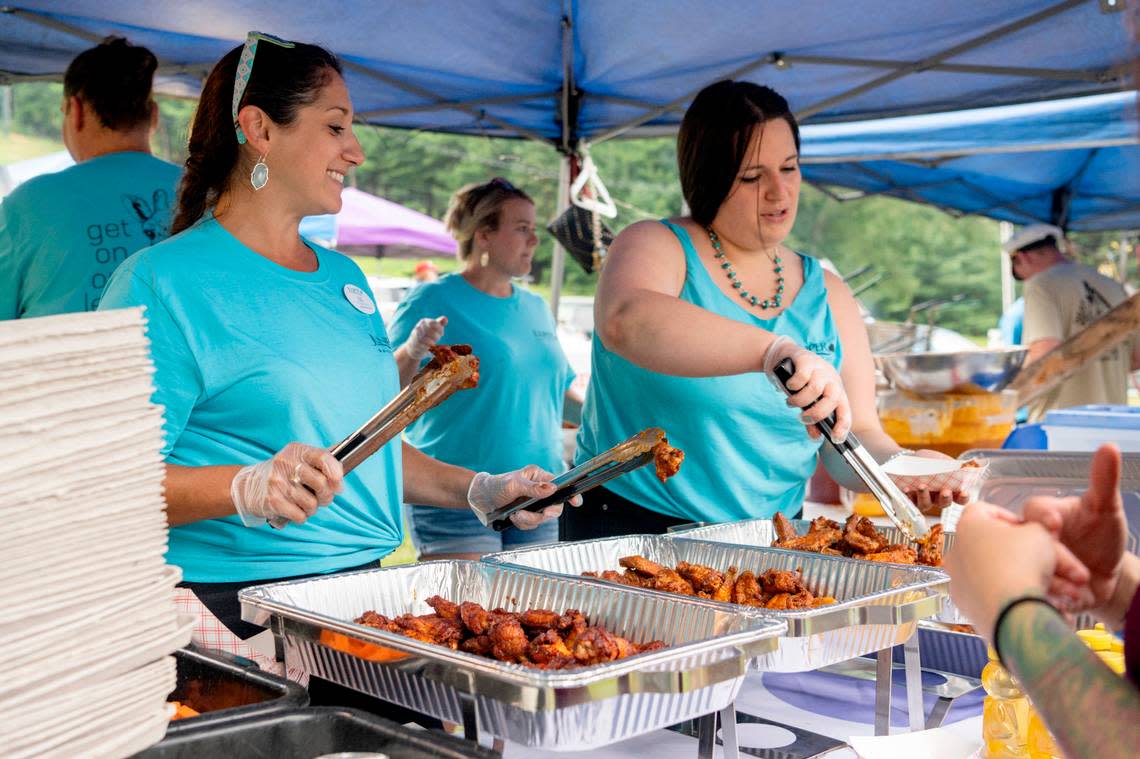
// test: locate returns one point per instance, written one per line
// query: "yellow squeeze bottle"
(1005, 713)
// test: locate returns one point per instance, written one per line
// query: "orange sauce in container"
(952, 423)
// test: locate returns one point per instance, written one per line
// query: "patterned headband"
(245, 68)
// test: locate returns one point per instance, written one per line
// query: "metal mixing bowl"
(934, 373)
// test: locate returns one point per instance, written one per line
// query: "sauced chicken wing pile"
(537, 638)
(857, 538)
(773, 589)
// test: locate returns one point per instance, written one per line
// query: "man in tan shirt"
(1062, 297)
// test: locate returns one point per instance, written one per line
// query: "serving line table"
(771, 726)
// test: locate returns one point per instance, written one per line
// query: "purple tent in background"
(372, 221)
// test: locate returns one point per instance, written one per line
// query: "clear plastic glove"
(815, 381)
(492, 491)
(289, 487)
(425, 334)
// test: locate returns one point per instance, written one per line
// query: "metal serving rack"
(878, 606)
(698, 675)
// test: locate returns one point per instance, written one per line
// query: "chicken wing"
(445, 608)
(540, 619)
(747, 590)
(667, 459)
(595, 646)
(641, 565)
(784, 529)
(431, 628)
(548, 647)
(671, 582)
(703, 579)
(895, 553)
(475, 618)
(862, 536)
(724, 592)
(781, 581)
(379, 621)
(930, 547)
(508, 641)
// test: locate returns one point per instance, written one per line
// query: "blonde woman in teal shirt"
(691, 313)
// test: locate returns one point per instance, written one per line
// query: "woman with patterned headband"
(524, 375)
(262, 339)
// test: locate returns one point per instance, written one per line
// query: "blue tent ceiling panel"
(1006, 162)
(652, 52)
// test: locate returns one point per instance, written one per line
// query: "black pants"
(605, 514)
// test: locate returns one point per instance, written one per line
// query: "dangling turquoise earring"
(259, 177)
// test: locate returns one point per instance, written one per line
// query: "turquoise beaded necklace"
(773, 302)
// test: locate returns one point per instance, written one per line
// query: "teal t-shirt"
(747, 455)
(63, 234)
(250, 356)
(514, 417)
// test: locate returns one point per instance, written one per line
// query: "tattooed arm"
(1090, 710)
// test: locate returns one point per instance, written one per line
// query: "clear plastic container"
(951, 423)
(1005, 714)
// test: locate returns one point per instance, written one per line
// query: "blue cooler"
(1086, 428)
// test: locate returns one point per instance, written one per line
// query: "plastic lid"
(1097, 640)
(1113, 417)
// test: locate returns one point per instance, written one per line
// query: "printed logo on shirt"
(113, 241)
(823, 348)
(543, 334)
(381, 343)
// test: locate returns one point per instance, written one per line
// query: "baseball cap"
(1034, 233)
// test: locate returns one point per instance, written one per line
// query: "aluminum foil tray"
(878, 604)
(762, 532)
(701, 672)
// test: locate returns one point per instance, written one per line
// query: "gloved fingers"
(290, 505)
(325, 475)
(528, 520)
(842, 417)
(824, 404)
(536, 473)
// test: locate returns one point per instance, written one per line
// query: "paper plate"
(917, 472)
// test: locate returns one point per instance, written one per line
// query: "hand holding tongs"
(900, 509)
(624, 457)
(428, 389)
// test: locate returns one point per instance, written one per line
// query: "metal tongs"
(626, 456)
(428, 389)
(900, 509)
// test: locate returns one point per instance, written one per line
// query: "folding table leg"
(883, 668)
(728, 732)
(706, 736)
(914, 704)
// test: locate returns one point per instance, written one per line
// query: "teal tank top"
(747, 455)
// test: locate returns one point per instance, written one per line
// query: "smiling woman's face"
(310, 158)
(761, 206)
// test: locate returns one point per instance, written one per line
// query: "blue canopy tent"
(566, 70)
(575, 71)
(1074, 162)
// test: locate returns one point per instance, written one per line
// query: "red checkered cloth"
(211, 633)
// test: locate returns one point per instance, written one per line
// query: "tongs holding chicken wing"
(644, 447)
